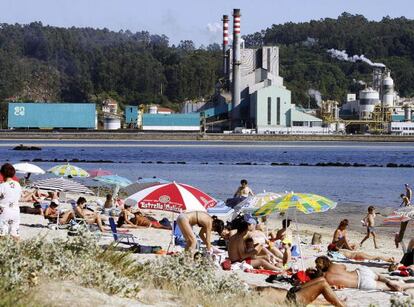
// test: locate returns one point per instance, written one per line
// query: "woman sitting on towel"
(340, 237)
(90, 217)
(187, 220)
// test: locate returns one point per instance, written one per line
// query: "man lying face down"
(361, 278)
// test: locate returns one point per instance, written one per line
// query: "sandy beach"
(323, 223)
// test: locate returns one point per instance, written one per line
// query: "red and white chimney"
(236, 97)
(225, 45)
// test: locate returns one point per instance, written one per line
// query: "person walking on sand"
(187, 220)
(370, 223)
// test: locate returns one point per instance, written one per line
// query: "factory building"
(252, 94)
(52, 115)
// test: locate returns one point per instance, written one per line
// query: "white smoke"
(214, 27)
(343, 56)
(360, 82)
(315, 94)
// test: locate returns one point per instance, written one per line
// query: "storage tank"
(153, 110)
(368, 98)
(407, 113)
(112, 123)
(388, 91)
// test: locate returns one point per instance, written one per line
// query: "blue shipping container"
(52, 115)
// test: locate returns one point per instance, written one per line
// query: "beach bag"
(226, 265)
(408, 258)
(165, 222)
(145, 249)
(316, 239)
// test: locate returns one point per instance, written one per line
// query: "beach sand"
(323, 223)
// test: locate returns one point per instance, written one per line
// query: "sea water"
(217, 167)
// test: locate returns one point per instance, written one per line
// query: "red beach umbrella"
(14, 178)
(98, 172)
(173, 197)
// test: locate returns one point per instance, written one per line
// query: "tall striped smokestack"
(236, 68)
(225, 45)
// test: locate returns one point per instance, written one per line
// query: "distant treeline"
(44, 63)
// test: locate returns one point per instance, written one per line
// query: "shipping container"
(52, 115)
(171, 122)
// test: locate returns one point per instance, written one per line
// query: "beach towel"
(263, 272)
(337, 256)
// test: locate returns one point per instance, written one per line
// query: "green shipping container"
(52, 115)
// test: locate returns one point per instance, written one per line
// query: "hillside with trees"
(44, 63)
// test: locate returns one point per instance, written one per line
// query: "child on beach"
(369, 221)
(405, 201)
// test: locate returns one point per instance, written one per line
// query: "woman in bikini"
(187, 220)
(340, 237)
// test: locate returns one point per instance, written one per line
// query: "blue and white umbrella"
(115, 180)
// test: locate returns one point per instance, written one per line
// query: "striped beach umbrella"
(306, 203)
(173, 197)
(61, 184)
(143, 183)
(401, 215)
(68, 170)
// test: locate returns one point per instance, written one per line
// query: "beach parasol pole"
(298, 236)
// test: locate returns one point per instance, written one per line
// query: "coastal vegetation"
(45, 63)
(26, 266)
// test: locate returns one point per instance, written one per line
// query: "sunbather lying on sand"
(52, 214)
(237, 250)
(33, 196)
(36, 209)
(362, 278)
(137, 219)
(357, 255)
(301, 295)
(90, 217)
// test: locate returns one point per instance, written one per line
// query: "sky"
(196, 20)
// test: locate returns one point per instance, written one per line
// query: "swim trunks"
(370, 229)
(366, 278)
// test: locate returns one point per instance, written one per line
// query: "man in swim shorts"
(361, 278)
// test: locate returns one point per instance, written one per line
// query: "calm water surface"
(220, 177)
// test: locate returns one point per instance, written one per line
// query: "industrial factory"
(378, 108)
(250, 97)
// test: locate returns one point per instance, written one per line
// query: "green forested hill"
(44, 63)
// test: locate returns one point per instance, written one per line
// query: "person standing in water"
(187, 220)
(408, 192)
(243, 190)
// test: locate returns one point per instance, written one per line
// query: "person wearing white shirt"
(10, 193)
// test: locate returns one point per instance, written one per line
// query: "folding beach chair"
(125, 238)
